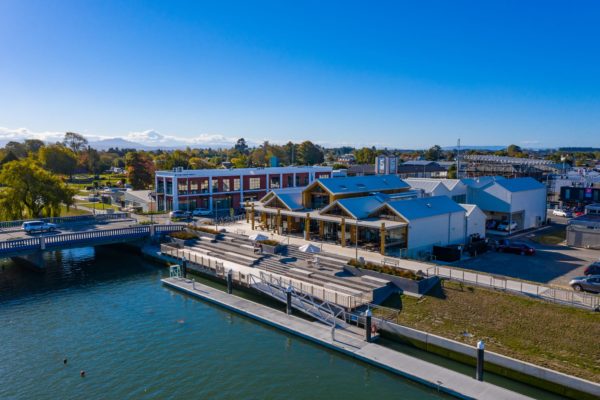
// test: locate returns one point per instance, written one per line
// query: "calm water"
(107, 313)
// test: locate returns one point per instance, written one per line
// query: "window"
(290, 181)
(274, 182)
(254, 183)
(194, 186)
(236, 184)
(204, 186)
(324, 176)
(226, 183)
(215, 185)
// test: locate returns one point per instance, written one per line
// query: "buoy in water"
(82, 373)
(65, 361)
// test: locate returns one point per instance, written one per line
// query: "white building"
(475, 220)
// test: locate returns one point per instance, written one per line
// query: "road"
(18, 233)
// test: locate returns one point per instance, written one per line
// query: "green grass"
(554, 235)
(557, 337)
(72, 211)
(98, 205)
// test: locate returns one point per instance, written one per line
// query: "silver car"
(590, 283)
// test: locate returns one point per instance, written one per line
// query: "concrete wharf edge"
(348, 343)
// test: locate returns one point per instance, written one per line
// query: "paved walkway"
(352, 344)
(568, 297)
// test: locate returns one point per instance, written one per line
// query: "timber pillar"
(252, 215)
(382, 236)
(307, 227)
(343, 232)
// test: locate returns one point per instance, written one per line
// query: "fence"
(68, 220)
(513, 285)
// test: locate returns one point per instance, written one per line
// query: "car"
(506, 246)
(586, 283)
(178, 214)
(491, 224)
(507, 226)
(562, 213)
(38, 226)
(592, 269)
(201, 212)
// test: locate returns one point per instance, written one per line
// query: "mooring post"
(480, 354)
(184, 267)
(289, 300)
(229, 282)
(368, 322)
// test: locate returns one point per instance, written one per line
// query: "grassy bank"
(553, 235)
(561, 338)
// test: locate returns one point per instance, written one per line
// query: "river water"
(107, 313)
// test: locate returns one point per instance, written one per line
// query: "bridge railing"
(68, 220)
(100, 235)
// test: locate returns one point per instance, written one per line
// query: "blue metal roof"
(425, 207)
(291, 197)
(363, 184)
(520, 184)
(361, 207)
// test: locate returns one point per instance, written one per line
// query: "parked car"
(491, 224)
(201, 212)
(562, 213)
(178, 214)
(592, 269)
(586, 283)
(507, 226)
(38, 226)
(506, 246)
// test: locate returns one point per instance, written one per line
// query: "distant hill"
(106, 144)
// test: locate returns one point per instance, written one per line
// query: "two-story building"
(221, 190)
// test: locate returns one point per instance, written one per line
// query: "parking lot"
(551, 264)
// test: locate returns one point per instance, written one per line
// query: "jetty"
(350, 341)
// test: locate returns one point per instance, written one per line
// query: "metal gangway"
(327, 312)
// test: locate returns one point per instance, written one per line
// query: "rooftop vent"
(429, 205)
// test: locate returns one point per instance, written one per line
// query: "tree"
(58, 159)
(434, 153)
(365, 155)
(140, 169)
(452, 172)
(309, 154)
(33, 145)
(18, 149)
(514, 151)
(241, 146)
(29, 191)
(75, 141)
(90, 161)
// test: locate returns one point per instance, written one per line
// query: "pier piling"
(480, 355)
(229, 282)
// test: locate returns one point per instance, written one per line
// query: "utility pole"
(458, 160)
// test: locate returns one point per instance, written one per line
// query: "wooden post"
(382, 235)
(252, 212)
(289, 223)
(353, 234)
(307, 227)
(343, 232)
(278, 222)
(321, 229)
(263, 219)
(248, 212)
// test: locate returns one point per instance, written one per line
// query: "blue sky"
(395, 74)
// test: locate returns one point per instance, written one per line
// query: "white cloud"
(148, 137)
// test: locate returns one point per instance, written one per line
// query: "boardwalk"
(351, 343)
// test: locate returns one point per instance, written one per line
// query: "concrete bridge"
(76, 232)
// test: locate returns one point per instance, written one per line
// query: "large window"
(225, 184)
(215, 185)
(236, 184)
(204, 186)
(301, 180)
(194, 187)
(254, 183)
(274, 182)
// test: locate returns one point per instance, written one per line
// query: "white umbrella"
(309, 248)
(257, 237)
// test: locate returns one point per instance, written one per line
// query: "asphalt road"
(17, 233)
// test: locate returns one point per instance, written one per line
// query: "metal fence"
(531, 289)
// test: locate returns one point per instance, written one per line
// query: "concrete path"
(352, 344)
(567, 297)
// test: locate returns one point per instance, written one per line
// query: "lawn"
(72, 211)
(562, 338)
(553, 235)
(97, 205)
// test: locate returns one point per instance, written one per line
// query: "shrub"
(269, 242)
(183, 235)
(204, 229)
(386, 269)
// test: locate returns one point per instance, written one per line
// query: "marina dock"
(350, 342)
